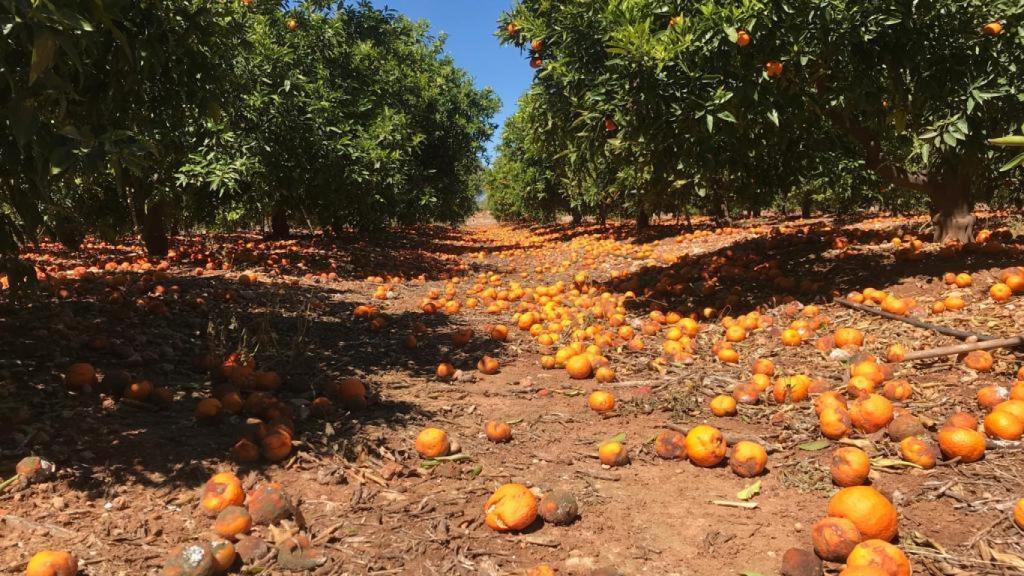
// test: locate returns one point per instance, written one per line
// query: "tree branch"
(896, 175)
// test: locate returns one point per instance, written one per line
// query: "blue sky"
(470, 26)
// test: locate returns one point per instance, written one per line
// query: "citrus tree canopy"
(160, 115)
(712, 102)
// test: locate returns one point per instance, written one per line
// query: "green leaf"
(815, 445)
(1007, 141)
(749, 492)
(44, 48)
(620, 438)
(1012, 163)
(731, 33)
(774, 117)
(727, 116)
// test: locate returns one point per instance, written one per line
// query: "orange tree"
(100, 113)
(905, 91)
(350, 117)
(163, 114)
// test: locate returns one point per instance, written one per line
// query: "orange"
(870, 511)
(1018, 513)
(860, 386)
(871, 413)
(1015, 407)
(748, 459)
(487, 365)
(894, 305)
(869, 369)
(579, 367)
(1017, 392)
(792, 388)
(791, 337)
(139, 391)
(208, 409)
(445, 371)
(220, 491)
(52, 563)
(276, 446)
(918, 451)
(848, 337)
(604, 374)
(968, 445)
(351, 392)
(830, 399)
(223, 556)
(834, 538)
(979, 360)
(897, 390)
(835, 423)
(728, 356)
(863, 571)
(993, 29)
(670, 445)
(773, 68)
(1004, 425)
(763, 366)
(735, 333)
(541, 570)
(963, 420)
(600, 401)
(612, 454)
(80, 377)
(879, 554)
(991, 396)
(850, 467)
(723, 405)
(462, 336)
(511, 507)
(705, 446)
(432, 442)
(497, 431)
(1000, 292)
(953, 303)
(963, 280)
(896, 353)
(761, 382)
(499, 332)
(245, 451)
(232, 521)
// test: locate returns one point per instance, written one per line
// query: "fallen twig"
(1012, 342)
(8, 482)
(913, 321)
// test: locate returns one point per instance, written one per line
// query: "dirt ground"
(128, 473)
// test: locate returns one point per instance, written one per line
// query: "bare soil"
(128, 473)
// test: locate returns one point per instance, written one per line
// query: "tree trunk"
(577, 216)
(602, 215)
(806, 206)
(719, 208)
(154, 229)
(643, 219)
(952, 213)
(68, 233)
(279, 228)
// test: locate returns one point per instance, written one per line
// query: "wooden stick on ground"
(963, 348)
(914, 321)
